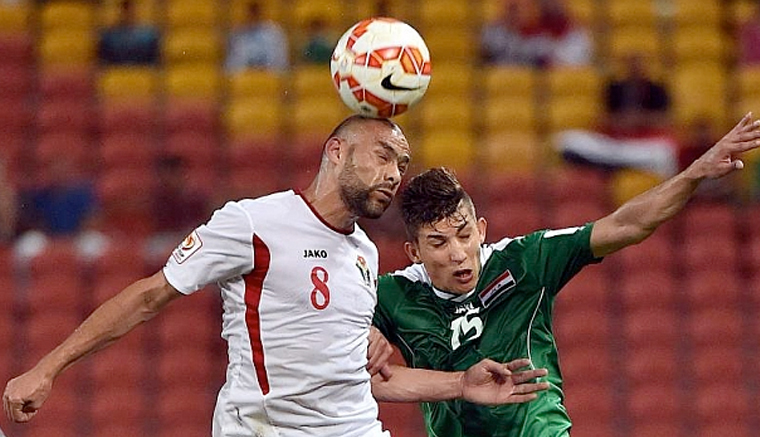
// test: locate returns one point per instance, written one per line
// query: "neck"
(326, 201)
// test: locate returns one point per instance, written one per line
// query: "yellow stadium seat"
(67, 47)
(451, 79)
(145, 12)
(626, 184)
(315, 116)
(15, 17)
(573, 112)
(574, 81)
(128, 83)
(697, 12)
(446, 113)
(190, 46)
(193, 81)
(583, 11)
(451, 45)
(67, 15)
(630, 13)
(450, 148)
(510, 114)
(445, 14)
(748, 79)
(253, 118)
(509, 81)
(192, 13)
(742, 11)
(644, 40)
(307, 81)
(700, 89)
(400, 9)
(255, 83)
(697, 43)
(510, 152)
(304, 11)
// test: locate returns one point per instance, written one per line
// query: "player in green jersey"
(463, 300)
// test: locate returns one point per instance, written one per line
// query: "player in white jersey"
(297, 277)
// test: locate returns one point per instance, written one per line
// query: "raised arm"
(487, 383)
(635, 220)
(137, 303)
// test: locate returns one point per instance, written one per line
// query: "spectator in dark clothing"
(129, 43)
(177, 208)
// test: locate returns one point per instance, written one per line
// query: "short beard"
(355, 194)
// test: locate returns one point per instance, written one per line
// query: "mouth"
(388, 194)
(463, 275)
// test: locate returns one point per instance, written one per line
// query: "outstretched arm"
(487, 383)
(639, 217)
(137, 303)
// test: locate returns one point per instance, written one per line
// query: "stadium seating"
(127, 83)
(15, 17)
(192, 14)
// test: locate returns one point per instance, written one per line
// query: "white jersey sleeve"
(219, 250)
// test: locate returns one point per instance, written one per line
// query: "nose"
(393, 175)
(457, 252)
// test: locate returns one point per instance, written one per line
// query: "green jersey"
(507, 316)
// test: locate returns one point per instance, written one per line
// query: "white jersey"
(298, 300)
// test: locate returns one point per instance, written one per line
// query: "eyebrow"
(404, 158)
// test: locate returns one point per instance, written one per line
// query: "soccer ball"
(380, 67)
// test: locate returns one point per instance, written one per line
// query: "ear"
(482, 226)
(333, 149)
(412, 251)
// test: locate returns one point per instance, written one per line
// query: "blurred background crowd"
(124, 123)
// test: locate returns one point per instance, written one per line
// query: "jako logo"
(318, 253)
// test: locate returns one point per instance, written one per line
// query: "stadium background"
(658, 340)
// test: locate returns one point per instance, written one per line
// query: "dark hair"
(432, 195)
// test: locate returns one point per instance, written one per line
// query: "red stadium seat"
(647, 289)
(654, 428)
(656, 327)
(656, 401)
(139, 117)
(580, 361)
(16, 83)
(570, 184)
(186, 408)
(402, 419)
(126, 201)
(724, 360)
(17, 49)
(511, 218)
(577, 212)
(654, 253)
(588, 290)
(720, 404)
(122, 366)
(718, 220)
(118, 406)
(714, 288)
(184, 366)
(645, 364)
(58, 257)
(73, 84)
(72, 147)
(16, 116)
(55, 116)
(582, 327)
(128, 150)
(197, 116)
(704, 251)
(710, 327)
(590, 402)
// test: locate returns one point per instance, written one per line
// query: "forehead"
(462, 218)
(377, 133)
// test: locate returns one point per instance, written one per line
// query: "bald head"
(350, 124)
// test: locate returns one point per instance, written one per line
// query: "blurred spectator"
(128, 43)
(506, 40)
(569, 43)
(8, 206)
(539, 34)
(63, 205)
(177, 208)
(258, 44)
(636, 130)
(749, 39)
(319, 45)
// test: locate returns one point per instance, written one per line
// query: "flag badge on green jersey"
(496, 288)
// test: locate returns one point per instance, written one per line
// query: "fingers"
(531, 388)
(528, 375)
(518, 364)
(386, 372)
(521, 399)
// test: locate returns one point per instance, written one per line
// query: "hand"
(25, 394)
(721, 159)
(378, 353)
(492, 383)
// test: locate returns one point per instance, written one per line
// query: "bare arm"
(635, 220)
(117, 316)
(487, 382)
